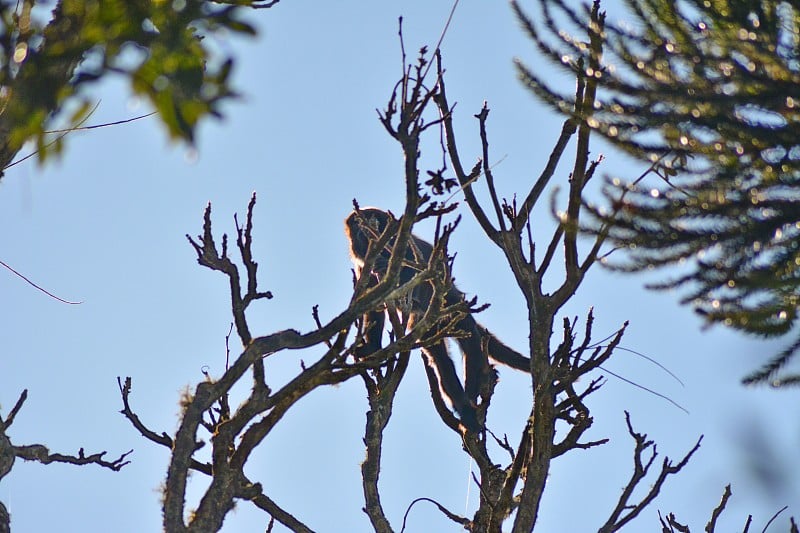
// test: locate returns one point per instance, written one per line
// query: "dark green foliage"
(161, 47)
(707, 93)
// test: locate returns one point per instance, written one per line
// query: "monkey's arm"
(372, 333)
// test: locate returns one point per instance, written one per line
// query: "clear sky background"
(106, 226)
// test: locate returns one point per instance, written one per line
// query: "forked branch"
(644, 455)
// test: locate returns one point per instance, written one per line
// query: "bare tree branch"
(712, 523)
(40, 453)
(625, 511)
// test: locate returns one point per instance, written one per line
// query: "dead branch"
(625, 511)
(712, 523)
(449, 514)
(40, 453)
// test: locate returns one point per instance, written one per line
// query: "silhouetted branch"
(466, 180)
(14, 410)
(37, 287)
(452, 516)
(210, 257)
(712, 523)
(40, 453)
(381, 390)
(162, 439)
(265, 5)
(262, 501)
(625, 511)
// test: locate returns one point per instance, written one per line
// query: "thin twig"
(77, 128)
(441, 36)
(452, 516)
(104, 125)
(50, 294)
(766, 526)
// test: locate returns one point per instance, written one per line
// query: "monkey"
(365, 225)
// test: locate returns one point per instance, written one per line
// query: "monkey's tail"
(503, 354)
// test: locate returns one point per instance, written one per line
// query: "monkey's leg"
(476, 363)
(450, 387)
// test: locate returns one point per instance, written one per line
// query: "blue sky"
(106, 225)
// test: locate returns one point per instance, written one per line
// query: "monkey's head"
(361, 227)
